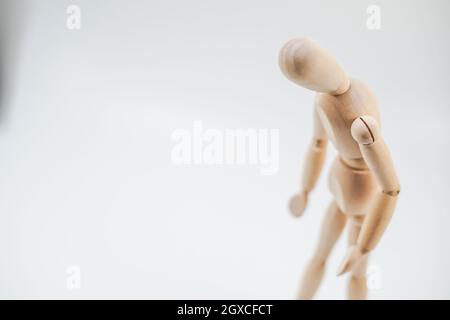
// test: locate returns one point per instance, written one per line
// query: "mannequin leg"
(357, 285)
(331, 229)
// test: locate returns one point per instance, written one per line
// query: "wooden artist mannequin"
(362, 180)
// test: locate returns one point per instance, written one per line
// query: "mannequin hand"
(297, 204)
(352, 259)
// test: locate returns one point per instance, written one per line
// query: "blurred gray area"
(13, 21)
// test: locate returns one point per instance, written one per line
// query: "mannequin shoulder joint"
(365, 130)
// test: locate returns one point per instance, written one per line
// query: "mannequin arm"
(377, 156)
(312, 167)
(315, 156)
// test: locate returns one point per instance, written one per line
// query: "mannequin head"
(307, 64)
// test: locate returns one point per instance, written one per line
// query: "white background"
(86, 119)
